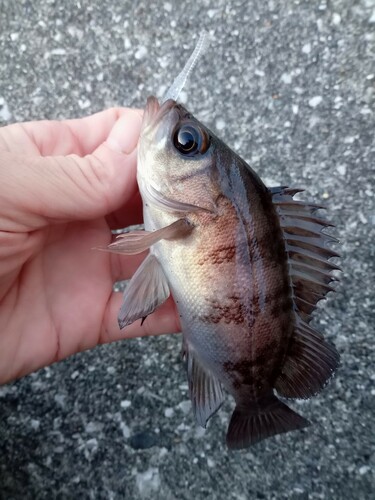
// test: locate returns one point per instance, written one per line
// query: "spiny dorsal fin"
(305, 244)
(310, 360)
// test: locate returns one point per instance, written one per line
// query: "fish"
(246, 266)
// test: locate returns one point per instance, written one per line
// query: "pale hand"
(63, 187)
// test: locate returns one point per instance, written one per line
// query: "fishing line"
(175, 89)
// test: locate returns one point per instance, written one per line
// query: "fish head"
(175, 157)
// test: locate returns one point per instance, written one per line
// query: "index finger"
(80, 136)
(93, 130)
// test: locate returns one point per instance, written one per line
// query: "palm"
(56, 293)
(60, 296)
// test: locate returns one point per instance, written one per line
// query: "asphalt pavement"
(290, 86)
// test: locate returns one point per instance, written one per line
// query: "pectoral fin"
(135, 242)
(205, 390)
(146, 291)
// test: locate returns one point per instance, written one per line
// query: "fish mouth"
(155, 113)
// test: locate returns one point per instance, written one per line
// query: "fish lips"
(160, 119)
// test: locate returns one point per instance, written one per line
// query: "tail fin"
(250, 424)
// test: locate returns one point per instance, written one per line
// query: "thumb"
(72, 187)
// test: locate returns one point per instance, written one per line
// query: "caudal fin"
(250, 424)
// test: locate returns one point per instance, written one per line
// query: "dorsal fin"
(305, 243)
(310, 360)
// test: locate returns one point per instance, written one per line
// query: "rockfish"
(246, 266)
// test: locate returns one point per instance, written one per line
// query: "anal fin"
(309, 364)
(146, 291)
(205, 390)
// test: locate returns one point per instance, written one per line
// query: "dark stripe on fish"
(233, 310)
(242, 372)
(218, 256)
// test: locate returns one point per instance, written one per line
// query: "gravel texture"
(290, 86)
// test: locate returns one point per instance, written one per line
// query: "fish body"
(229, 277)
(219, 243)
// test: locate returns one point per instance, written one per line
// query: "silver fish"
(246, 266)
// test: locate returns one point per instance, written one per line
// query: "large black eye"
(190, 140)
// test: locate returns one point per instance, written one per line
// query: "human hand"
(63, 187)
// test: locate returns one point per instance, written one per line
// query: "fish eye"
(190, 140)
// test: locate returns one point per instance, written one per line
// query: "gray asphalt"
(290, 86)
